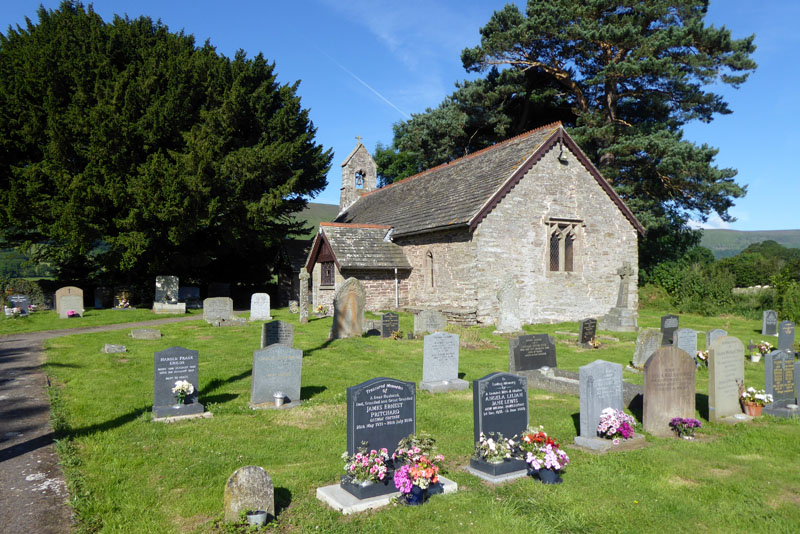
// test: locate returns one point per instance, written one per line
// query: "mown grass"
(49, 320)
(134, 475)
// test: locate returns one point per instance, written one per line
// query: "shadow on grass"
(701, 403)
(462, 375)
(307, 392)
(61, 365)
(217, 383)
(283, 498)
(218, 399)
(110, 424)
(315, 349)
(576, 420)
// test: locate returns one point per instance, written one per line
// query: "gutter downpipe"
(396, 291)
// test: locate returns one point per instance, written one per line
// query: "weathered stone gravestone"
(786, 335)
(19, 301)
(621, 318)
(429, 321)
(67, 291)
(600, 388)
(587, 329)
(508, 296)
(526, 353)
(686, 340)
(390, 323)
(713, 335)
(108, 348)
(647, 342)
(380, 411)
(769, 323)
(167, 288)
(103, 298)
(70, 303)
(219, 311)
(249, 488)
(669, 324)
(276, 369)
(145, 333)
(293, 307)
(259, 307)
(277, 332)
(172, 365)
(348, 310)
(725, 373)
(669, 389)
(440, 364)
(303, 295)
(779, 382)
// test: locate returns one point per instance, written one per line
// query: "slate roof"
(461, 192)
(363, 247)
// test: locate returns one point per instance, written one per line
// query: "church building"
(531, 212)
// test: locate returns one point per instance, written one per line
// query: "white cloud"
(713, 223)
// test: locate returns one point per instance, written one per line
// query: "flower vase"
(755, 358)
(548, 476)
(753, 409)
(417, 496)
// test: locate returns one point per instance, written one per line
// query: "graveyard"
(127, 473)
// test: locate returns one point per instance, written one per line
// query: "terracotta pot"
(753, 409)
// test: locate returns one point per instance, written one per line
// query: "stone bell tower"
(359, 176)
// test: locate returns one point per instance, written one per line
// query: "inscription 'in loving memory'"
(386, 409)
(505, 397)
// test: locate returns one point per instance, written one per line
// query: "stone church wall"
(379, 286)
(513, 240)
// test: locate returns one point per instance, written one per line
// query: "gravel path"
(33, 494)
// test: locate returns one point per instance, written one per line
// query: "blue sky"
(366, 64)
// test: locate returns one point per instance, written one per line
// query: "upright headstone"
(534, 351)
(167, 288)
(725, 374)
(303, 295)
(259, 307)
(190, 295)
(103, 298)
(713, 335)
(499, 404)
(172, 365)
(769, 323)
(429, 321)
(19, 301)
(348, 310)
(381, 412)
(67, 291)
(390, 323)
(669, 323)
(122, 297)
(587, 331)
(217, 309)
(440, 364)
(786, 335)
(600, 388)
(277, 332)
(647, 342)
(70, 303)
(276, 369)
(508, 319)
(249, 488)
(686, 340)
(621, 318)
(669, 389)
(779, 382)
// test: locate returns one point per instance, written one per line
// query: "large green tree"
(127, 150)
(630, 75)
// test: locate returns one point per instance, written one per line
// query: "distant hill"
(317, 213)
(727, 243)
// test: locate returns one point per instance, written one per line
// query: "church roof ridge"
(356, 225)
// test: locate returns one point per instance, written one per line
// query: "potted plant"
(702, 357)
(367, 472)
(615, 425)
(753, 401)
(181, 390)
(546, 459)
(764, 347)
(416, 465)
(495, 455)
(684, 426)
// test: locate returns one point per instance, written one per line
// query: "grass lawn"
(128, 474)
(49, 320)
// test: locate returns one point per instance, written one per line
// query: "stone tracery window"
(562, 238)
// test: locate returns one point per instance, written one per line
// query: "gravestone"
(276, 368)
(526, 353)
(669, 323)
(712, 336)
(121, 296)
(109, 348)
(725, 373)
(170, 366)
(600, 388)
(380, 411)
(303, 295)
(769, 323)
(249, 488)
(648, 340)
(686, 340)
(390, 322)
(103, 298)
(786, 335)
(508, 296)
(294, 307)
(779, 382)
(440, 364)
(219, 289)
(67, 291)
(669, 389)
(19, 301)
(145, 333)
(190, 295)
(348, 310)
(277, 332)
(499, 404)
(167, 288)
(621, 318)
(587, 331)
(429, 321)
(259, 307)
(217, 309)
(71, 303)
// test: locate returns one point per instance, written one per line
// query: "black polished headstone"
(380, 411)
(390, 322)
(526, 353)
(500, 404)
(669, 323)
(588, 329)
(786, 335)
(19, 301)
(171, 365)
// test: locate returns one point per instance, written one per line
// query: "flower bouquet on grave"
(702, 357)
(543, 454)
(615, 425)
(494, 448)
(753, 400)
(366, 467)
(72, 313)
(413, 479)
(684, 426)
(181, 390)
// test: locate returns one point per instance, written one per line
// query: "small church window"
(360, 179)
(328, 278)
(562, 246)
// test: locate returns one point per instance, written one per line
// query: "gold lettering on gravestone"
(783, 377)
